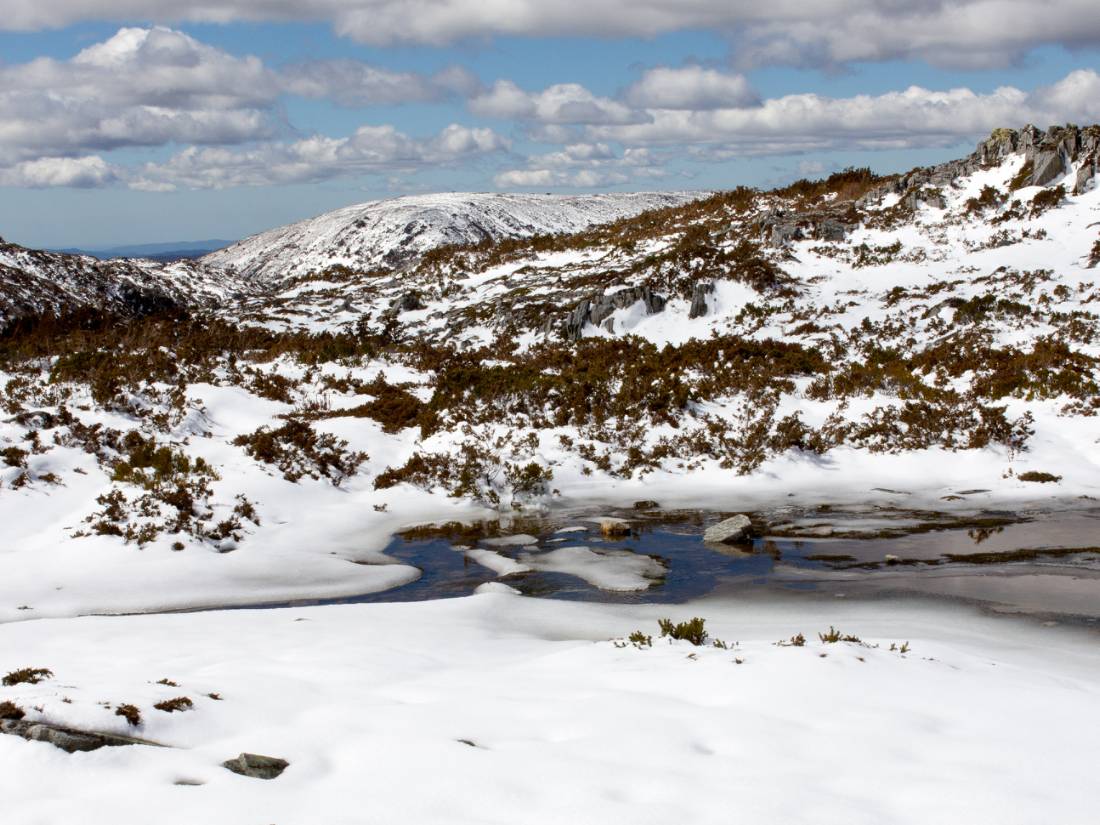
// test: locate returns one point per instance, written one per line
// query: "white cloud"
(582, 165)
(151, 87)
(86, 172)
(968, 32)
(915, 117)
(352, 83)
(141, 87)
(372, 149)
(561, 104)
(690, 87)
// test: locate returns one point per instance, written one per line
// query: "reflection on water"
(816, 551)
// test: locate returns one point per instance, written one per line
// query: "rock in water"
(613, 527)
(256, 766)
(731, 531)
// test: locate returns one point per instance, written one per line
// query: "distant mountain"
(394, 233)
(35, 282)
(170, 251)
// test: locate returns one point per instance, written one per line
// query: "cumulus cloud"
(141, 87)
(151, 87)
(353, 83)
(82, 173)
(371, 149)
(584, 166)
(973, 32)
(560, 104)
(690, 87)
(915, 117)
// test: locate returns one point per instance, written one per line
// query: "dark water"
(867, 551)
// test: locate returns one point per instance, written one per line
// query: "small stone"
(731, 531)
(646, 504)
(890, 558)
(614, 527)
(256, 766)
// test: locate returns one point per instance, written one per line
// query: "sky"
(142, 121)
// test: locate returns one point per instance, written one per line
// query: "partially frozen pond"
(1045, 562)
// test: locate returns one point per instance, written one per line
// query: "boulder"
(614, 528)
(405, 302)
(256, 766)
(735, 530)
(699, 295)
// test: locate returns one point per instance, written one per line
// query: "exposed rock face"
(731, 531)
(1051, 154)
(781, 226)
(257, 766)
(598, 309)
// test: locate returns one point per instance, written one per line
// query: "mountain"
(394, 233)
(165, 252)
(35, 283)
(928, 339)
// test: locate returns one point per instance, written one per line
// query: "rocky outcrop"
(69, 740)
(405, 302)
(598, 309)
(1048, 156)
(699, 295)
(782, 226)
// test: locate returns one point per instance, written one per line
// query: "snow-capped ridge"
(395, 232)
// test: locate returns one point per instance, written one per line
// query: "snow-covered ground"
(395, 231)
(500, 709)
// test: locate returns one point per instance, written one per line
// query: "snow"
(986, 720)
(497, 562)
(382, 232)
(619, 570)
(520, 540)
(982, 720)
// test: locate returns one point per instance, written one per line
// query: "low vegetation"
(180, 703)
(27, 676)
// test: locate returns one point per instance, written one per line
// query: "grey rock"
(257, 766)
(406, 302)
(731, 531)
(67, 739)
(599, 308)
(699, 295)
(1048, 165)
(574, 324)
(1085, 173)
(831, 230)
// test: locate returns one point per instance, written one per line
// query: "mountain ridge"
(393, 233)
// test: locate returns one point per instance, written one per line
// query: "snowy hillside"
(930, 338)
(35, 283)
(391, 233)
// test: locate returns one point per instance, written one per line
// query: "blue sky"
(132, 126)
